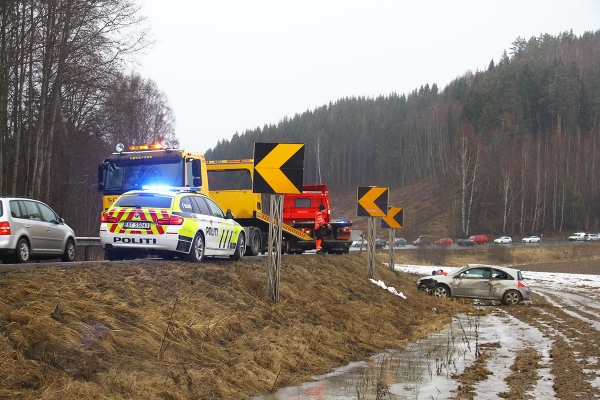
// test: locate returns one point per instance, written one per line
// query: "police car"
(169, 223)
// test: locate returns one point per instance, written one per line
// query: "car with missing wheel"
(478, 281)
(175, 223)
(31, 230)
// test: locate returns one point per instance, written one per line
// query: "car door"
(474, 282)
(53, 239)
(35, 227)
(500, 283)
(224, 243)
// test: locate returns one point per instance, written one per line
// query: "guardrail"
(86, 242)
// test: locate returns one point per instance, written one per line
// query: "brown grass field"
(154, 329)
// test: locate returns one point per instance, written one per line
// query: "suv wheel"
(69, 254)
(23, 251)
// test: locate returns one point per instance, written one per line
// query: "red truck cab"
(299, 212)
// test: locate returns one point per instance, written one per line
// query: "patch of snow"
(388, 288)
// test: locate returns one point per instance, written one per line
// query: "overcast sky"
(230, 66)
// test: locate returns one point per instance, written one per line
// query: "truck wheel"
(253, 247)
(239, 252)
(197, 251)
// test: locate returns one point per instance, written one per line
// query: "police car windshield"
(144, 201)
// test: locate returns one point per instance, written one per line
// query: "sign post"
(372, 201)
(278, 169)
(394, 220)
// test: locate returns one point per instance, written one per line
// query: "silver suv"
(29, 229)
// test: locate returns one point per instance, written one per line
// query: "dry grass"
(173, 330)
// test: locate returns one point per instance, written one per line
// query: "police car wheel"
(197, 251)
(239, 248)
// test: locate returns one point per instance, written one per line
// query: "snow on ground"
(546, 279)
(420, 361)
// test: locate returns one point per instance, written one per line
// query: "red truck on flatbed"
(230, 185)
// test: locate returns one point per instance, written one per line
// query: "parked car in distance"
(478, 281)
(577, 236)
(479, 239)
(591, 237)
(503, 240)
(531, 239)
(465, 242)
(399, 242)
(444, 242)
(422, 241)
(30, 229)
(380, 243)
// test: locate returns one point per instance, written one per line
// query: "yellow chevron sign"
(278, 168)
(394, 219)
(372, 201)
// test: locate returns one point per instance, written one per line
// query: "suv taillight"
(172, 220)
(4, 228)
(108, 218)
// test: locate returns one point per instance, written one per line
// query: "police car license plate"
(136, 225)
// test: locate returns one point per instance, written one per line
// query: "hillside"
(156, 329)
(428, 208)
(517, 140)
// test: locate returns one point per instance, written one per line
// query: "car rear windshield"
(144, 201)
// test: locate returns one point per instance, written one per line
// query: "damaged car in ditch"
(478, 281)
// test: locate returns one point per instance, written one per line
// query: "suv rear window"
(1, 209)
(144, 200)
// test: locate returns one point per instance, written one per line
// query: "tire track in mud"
(574, 331)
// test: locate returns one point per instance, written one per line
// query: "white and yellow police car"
(169, 223)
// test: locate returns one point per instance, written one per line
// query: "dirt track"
(568, 320)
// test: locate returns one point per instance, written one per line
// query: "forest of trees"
(519, 141)
(67, 96)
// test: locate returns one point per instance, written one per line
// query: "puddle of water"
(423, 370)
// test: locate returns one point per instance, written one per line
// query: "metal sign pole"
(391, 240)
(275, 238)
(371, 249)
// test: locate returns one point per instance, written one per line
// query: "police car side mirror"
(228, 214)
